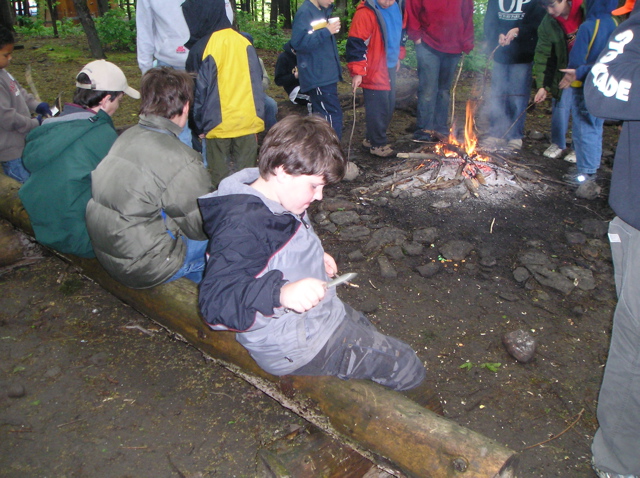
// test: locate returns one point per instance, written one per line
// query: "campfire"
(452, 163)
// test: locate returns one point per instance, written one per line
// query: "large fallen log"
(383, 425)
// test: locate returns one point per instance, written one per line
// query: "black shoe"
(425, 136)
(578, 178)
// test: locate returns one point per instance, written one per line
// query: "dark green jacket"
(145, 201)
(551, 55)
(60, 155)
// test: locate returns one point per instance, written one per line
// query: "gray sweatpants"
(357, 350)
(616, 445)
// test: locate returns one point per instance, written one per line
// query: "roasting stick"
(455, 86)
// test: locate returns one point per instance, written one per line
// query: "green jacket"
(144, 201)
(60, 155)
(551, 55)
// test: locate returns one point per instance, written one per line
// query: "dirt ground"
(88, 387)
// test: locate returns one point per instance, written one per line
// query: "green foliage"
(116, 31)
(491, 366)
(31, 27)
(264, 36)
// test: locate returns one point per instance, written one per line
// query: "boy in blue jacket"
(591, 39)
(266, 275)
(319, 69)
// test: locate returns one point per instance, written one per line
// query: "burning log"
(375, 421)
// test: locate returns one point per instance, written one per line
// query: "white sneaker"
(571, 157)
(553, 151)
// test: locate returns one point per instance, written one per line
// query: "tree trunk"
(103, 7)
(6, 14)
(381, 424)
(89, 29)
(11, 249)
(54, 17)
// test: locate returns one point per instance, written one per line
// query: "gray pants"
(226, 156)
(357, 350)
(616, 445)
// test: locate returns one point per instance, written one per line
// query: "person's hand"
(295, 71)
(39, 118)
(356, 81)
(398, 66)
(330, 266)
(303, 294)
(541, 95)
(334, 26)
(43, 109)
(568, 78)
(418, 41)
(504, 40)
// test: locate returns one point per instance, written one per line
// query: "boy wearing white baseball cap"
(62, 153)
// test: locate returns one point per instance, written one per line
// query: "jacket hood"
(204, 17)
(288, 48)
(600, 8)
(56, 143)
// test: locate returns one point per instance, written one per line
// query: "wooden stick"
(32, 85)
(455, 86)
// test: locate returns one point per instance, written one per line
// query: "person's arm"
(180, 197)
(467, 19)
(362, 27)
(303, 41)
(612, 87)
(144, 35)
(284, 74)
(413, 11)
(541, 57)
(10, 119)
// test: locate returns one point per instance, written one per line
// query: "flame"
(470, 139)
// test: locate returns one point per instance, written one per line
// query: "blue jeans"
(194, 261)
(378, 111)
(270, 112)
(560, 112)
(325, 102)
(436, 71)
(615, 444)
(510, 91)
(587, 135)
(15, 170)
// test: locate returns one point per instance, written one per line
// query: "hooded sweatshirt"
(612, 90)
(256, 247)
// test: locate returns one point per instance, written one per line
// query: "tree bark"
(54, 17)
(6, 14)
(383, 425)
(89, 28)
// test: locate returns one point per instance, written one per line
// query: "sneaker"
(578, 178)
(605, 474)
(553, 151)
(492, 143)
(571, 157)
(382, 151)
(366, 144)
(514, 144)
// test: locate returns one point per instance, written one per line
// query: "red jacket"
(444, 25)
(366, 48)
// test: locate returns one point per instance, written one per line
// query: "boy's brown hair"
(164, 91)
(6, 37)
(303, 145)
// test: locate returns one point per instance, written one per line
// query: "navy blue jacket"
(318, 60)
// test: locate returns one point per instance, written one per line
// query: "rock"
(385, 236)
(575, 238)
(368, 305)
(541, 295)
(581, 277)
(395, 252)
(322, 218)
(441, 204)
(536, 135)
(508, 296)
(351, 171)
(428, 235)
(354, 233)
(521, 274)
(16, 390)
(380, 201)
(520, 344)
(535, 258)
(413, 248)
(330, 227)
(343, 218)
(386, 269)
(456, 250)
(356, 256)
(588, 190)
(100, 359)
(488, 261)
(552, 279)
(428, 270)
(595, 227)
(337, 204)
(54, 371)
